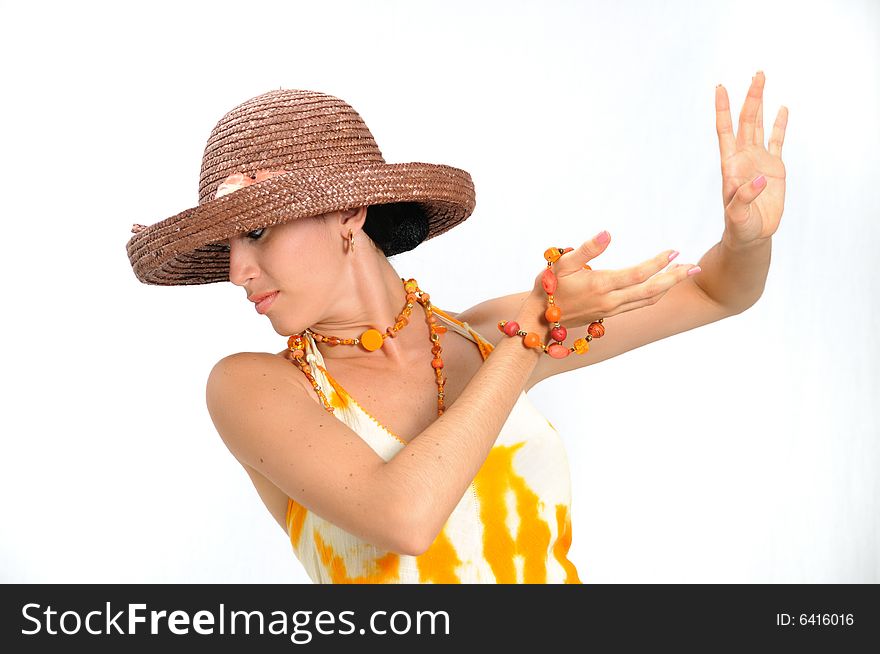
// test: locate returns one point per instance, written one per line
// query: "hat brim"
(186, 248)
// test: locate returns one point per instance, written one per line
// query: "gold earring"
(350, 242)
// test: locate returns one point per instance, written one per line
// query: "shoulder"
(247, 392)
(245, 374)
(244, 367)
(243, 362)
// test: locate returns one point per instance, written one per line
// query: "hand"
(751, 213)
(587, 295)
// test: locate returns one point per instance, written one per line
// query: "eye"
(257, 232)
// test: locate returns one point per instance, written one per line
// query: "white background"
(746, 451)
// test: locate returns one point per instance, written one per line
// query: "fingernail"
(758, 181)
(694, 270)
(674, 254)
(602, 237)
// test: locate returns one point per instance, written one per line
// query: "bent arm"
(269, 423)
(439, 464)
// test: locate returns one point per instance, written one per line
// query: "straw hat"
(333, 163)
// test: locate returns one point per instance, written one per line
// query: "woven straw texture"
(333, 163)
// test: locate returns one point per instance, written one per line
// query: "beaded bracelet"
(553, 314)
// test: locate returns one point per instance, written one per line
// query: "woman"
(437, 469)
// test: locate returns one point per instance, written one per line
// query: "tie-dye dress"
(513, 525)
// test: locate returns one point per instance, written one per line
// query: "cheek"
(292, 267)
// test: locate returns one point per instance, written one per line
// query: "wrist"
(531, 316)
(732, 244)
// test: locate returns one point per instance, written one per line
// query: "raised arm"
(733, 271)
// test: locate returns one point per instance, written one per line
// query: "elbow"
(411, 548)
(735, 311)
(410, 535)
(411, 540)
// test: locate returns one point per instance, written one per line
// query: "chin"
(285, 327)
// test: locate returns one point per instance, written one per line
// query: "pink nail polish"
(602, 237)
(694, 270)
(759, 181)
(674, 254)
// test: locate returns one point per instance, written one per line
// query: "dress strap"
(465, 330)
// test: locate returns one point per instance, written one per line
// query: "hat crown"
(287, 129)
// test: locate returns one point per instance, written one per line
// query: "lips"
(257, 297)
(263, 305)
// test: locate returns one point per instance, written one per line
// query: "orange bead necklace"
(372, 339)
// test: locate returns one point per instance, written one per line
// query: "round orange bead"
(437, 363)
(552, 254)
(532, 340)
(553, 313)
(596, 330)
(371, 339)
(295, 342)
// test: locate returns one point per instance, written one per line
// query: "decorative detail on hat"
(239, 180)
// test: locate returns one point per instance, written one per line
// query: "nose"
(242, 266)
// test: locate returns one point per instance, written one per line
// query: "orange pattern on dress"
(563, 542)
(495, 480)
(296, 516)
(337, 398)
(386, 567)
(438, 563)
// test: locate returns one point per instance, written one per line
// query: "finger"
(759, 124)
(611, 280)
(745, 135)
(574, 259)
(637, 304)
(649, 291)
(777, 136)
(739, 207)
(723, 124)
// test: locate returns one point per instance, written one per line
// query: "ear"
(349, 219)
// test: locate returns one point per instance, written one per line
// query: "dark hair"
(396, 228)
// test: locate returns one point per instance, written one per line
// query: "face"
(295, 260)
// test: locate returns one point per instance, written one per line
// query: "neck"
(371, 297)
